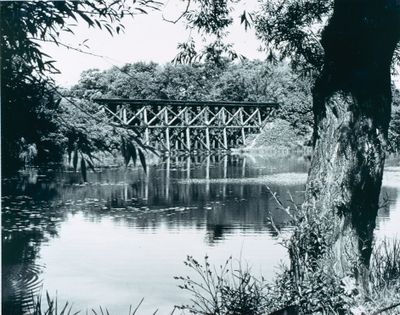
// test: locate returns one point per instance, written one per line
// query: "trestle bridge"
(189, 126)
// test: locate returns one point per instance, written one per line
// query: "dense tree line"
(245, 81)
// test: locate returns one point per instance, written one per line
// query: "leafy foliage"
(28, 112)
(88, 133)
(292, 29)
(24, 24)
(263, 82)
(30, 101)
(210, 17)
(149, 81)
(211, 20)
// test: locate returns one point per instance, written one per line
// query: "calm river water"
(126, 234)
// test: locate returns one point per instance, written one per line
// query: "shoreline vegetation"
(231, 289)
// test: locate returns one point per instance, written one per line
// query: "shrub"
(229, 290)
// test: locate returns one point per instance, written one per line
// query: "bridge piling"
(167, 140)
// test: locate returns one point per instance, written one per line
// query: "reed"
(229, 289)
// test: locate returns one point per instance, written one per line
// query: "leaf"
(141, 10)
(109, 29)
(90, 164)
(86, 18)
(58, 101)
(50, 303)
(98, 24)
(142, 160)
(64, 309)
(125, 153)
(75, 160)
(137, 307)
(93, 157)
(132, 152)
(246, 19)
(83, 169)
(123, 146)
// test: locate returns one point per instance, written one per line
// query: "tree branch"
(180, 17)
(68, 47)
(386, 309)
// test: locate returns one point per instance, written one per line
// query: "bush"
(230, 290)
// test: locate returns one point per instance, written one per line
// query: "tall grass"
(227, 290)
(385, 264)
(385, 277)
(53, 308)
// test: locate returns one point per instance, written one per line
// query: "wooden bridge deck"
(170, 125)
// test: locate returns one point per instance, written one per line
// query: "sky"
(146, 38)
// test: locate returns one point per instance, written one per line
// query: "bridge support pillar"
(124, 117)
(146, 131)
(207, 130)
(242, 125)
(225, 137)
(167, 139)
(187, 120)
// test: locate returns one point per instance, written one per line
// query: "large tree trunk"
(352, 104)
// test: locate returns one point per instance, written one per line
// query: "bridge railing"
(190, 125)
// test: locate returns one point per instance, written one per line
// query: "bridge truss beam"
(190, 125)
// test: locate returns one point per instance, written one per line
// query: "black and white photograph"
(205, 157)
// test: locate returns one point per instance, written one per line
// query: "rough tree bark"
(352, 106)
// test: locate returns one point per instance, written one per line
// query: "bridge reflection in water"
(193, 169)
(221, 193)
